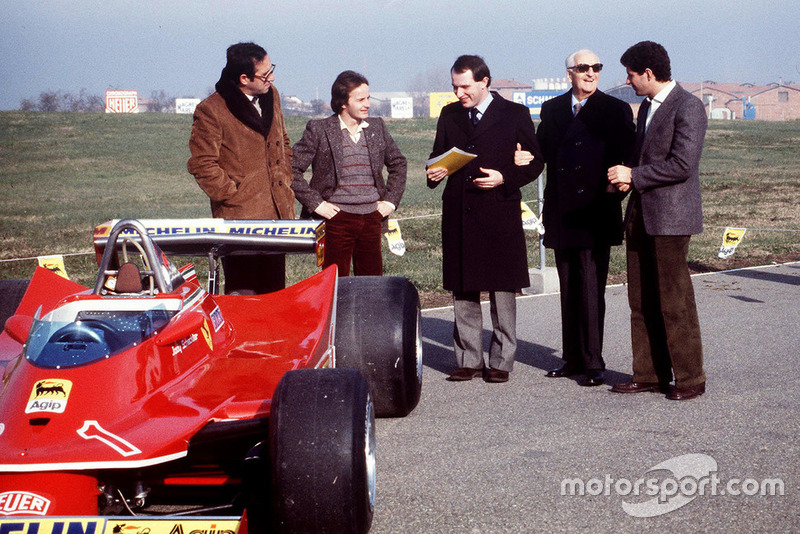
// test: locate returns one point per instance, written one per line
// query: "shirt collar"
(662, 94)
(361, 125)
(485, 104)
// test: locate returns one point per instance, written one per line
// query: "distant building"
(771, 102)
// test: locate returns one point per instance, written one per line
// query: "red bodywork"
(63, 431)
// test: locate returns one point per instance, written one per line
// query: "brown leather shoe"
(689, 392)
(636, 387)
(497, 376)
(464, 374)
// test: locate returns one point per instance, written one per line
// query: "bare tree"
(161, 103)
(434, 79)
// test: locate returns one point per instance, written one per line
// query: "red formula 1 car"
(149, 395)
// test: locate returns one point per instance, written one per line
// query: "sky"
(178, 46)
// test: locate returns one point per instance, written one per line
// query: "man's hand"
(522, 157)
(326, 209)
(436, 174)
(385, 208)
(620, 177)
(492, 179)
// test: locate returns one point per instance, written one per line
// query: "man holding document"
(483, 243)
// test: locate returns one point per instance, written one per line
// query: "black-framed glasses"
(583, 67)
(263, 77)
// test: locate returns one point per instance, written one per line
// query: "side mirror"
(18, 327)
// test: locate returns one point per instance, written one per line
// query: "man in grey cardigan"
(347, 155)
(663, 213)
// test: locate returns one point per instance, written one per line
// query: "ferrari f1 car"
(149, 394)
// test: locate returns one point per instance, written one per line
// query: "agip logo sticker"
(49, 395)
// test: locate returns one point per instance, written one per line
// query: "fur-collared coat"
(243, 161)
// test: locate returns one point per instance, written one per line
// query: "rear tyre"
(378, 333)
(11, 293)
(322, 452)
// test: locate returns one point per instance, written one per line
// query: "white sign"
(402, 107)
(186, 105)
(122, 102)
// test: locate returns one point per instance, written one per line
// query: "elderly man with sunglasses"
(583, 132)
(242, 159)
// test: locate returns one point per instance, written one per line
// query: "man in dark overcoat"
(583, 133)
(483, 243)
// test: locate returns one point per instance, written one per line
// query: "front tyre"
(322, 452)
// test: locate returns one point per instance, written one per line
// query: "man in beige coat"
(242, 159)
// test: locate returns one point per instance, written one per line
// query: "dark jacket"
(579, 212)
(242, 160)
(483, 243)
(321, 147)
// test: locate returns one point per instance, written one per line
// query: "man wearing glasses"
(583, 133)
(242, 159)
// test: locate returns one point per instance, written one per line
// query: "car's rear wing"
(213, 238)
(221, 237)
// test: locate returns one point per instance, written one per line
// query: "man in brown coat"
(242, 159)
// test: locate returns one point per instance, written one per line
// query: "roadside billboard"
(402, 107)
(533, 100)
(440, 100)
(186, 105)
(122, 101)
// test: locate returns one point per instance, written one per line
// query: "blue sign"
(533, 100)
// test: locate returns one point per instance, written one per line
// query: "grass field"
(63, 173)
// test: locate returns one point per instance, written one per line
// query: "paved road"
(480, 458)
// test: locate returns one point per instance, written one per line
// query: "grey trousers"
(468, 329)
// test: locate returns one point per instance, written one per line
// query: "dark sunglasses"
(583, 67)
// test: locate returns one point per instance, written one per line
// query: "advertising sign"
(122, 102)
(533, 100)
(440, 100)
(402, 107)
(186, 105)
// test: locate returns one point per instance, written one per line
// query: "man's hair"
(242, 59)
(476, 64)
(342, 86)
(570, 61)
(648, 55)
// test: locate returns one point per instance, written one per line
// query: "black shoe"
(592, 378)
(561, 372)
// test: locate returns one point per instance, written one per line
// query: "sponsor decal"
(217, 319)
(94, 525)
(49, 526)
(22, 503)
(49, 395)
(205, 527)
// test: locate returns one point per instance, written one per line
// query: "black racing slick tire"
(322, 452)
(11, 293)
(378, 332)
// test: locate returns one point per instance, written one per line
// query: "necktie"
(576, 108)
(255, 103)
(473, 115)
